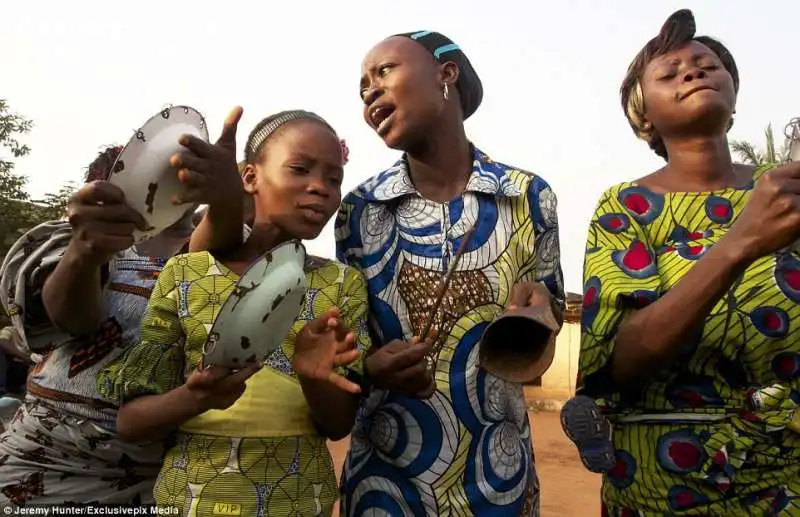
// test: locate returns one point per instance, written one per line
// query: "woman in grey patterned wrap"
(76, 291)
(61, 446)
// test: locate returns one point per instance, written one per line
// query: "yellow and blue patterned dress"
(711, 433)
(467, 450)
(262, 456)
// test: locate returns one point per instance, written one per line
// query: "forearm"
(652, 337)
(219, 231)
(154, 417)
(333, 410)
(73, 294)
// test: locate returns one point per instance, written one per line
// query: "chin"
(307, 232)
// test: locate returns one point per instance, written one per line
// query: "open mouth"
(381, 116)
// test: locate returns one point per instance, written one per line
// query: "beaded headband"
(273, 125)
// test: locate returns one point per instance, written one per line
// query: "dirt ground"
(568, 489)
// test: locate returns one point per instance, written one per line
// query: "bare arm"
(220, 229)
(651, 338)
(102, 225)
(333, 410)
(154, 417)
(75, 277)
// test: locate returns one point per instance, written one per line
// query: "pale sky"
(89, 73)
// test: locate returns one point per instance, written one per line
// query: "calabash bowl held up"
(261, 310)
(143, 172)
(519, 346)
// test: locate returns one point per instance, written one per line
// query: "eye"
(385, 69)
(298, 169)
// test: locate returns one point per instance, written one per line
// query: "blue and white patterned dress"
(467, 450)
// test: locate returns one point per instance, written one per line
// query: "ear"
(250, 179)
(449, 74)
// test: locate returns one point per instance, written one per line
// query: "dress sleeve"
(547, 266)
(355, 309)
(620, 276)
(348, 233)
(155, 365)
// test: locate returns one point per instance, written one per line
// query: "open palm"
(323, 345)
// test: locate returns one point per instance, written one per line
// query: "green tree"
(18, 212)
(749, 153)
(54, 205)
(14, 207)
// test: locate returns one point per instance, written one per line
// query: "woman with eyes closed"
(438, 435)
(691, 308)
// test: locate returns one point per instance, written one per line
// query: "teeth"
(383, 123)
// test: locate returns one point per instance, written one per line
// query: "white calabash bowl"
(261, 310)
(143, 172)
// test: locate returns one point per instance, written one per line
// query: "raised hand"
(102, 222)
(402, 367)
(771, 219)
(323, 345)
(209, 171)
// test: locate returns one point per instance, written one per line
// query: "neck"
(701, 162)
(441, 166)
(263, 237)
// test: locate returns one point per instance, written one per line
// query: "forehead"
(689, 52)
(306, 137)
(395, 48)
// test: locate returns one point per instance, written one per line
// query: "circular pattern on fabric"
(413, 436)
(641, 298)
(692, 251)
(786, 365)
(380, 496)
(377, 224)
(772, 322)
(209, 456)
(787, 276)
(683, 498)
(719, 209)
(621, 475)
(641, 203)
(172, 488)
(591, 300)
(498, 462)
(637, 261)
(680, 452)
(693, 391)
(615, 223)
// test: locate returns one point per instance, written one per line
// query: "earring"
(446, 92)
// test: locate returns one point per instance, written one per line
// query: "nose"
(694, 74)
(317, 187)
(371, 94)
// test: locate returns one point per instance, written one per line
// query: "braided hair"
(100, 168)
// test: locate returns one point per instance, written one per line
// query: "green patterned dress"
(715, 432)
(263, 455)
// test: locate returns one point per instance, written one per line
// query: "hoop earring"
(446, 92)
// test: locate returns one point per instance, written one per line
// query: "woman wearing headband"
(439, 435)
(691, 306)
(258, 448)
